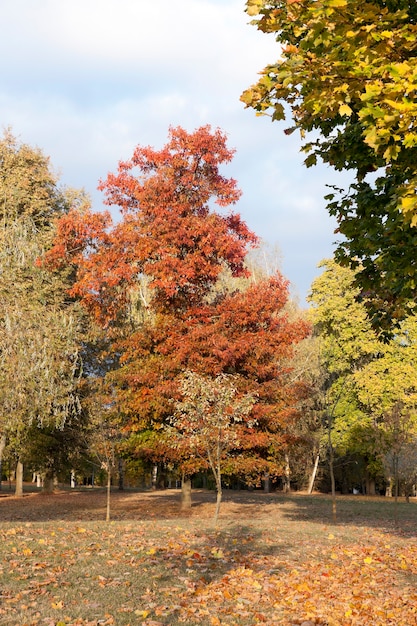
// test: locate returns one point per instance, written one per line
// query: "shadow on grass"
(376, 512)
(249, 508)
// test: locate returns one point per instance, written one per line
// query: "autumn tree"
(158, 262)
(347, 342)
(251, 334)
(207, 419)
(40, 328)
(153, 281)
(387, 388)
(368, 381)
(346, 74)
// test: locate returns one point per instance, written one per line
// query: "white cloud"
(87, 80)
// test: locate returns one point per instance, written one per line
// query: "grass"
(273, 560)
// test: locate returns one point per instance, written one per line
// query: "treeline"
(155, 343)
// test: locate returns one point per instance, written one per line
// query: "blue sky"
(88, 80)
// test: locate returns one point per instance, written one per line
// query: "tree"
(251, 334)
(40, 329)
(167, 257)
(347, 72)
(347, 342)
(368, 381)
(207, 420)
(167, 231)
(387, 389)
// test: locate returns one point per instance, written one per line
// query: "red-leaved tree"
(166, 254)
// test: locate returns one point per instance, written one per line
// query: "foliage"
(206, 421)
(28, 187)
(40, 329)
(348, 74)
(367, 379)
(167, 230)
(161, 281)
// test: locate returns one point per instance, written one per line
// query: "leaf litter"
(270, 570)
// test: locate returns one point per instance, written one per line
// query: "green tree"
(40, 338)
(347, 74)
(387, 390)
(347, 342)
(368, 381)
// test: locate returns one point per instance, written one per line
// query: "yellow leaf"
(334, 556)
(367, 560)
(345, 109)
(57, 605)
(408, 203)
(391, 152)
(331, 536)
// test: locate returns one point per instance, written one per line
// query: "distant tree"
(399, 450)
(367, 380)
(346, 342)
(346, 73)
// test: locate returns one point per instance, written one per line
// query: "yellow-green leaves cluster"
(347, 75)
(369, 381)
(344, 63)
(40, 330)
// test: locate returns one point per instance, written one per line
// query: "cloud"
(88, 80)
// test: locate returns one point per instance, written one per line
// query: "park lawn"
(272, 559)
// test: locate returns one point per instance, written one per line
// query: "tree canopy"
(40, 338)
(347, 74)
(169, 254)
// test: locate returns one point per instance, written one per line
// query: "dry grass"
(273, 559)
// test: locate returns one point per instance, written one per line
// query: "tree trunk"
(121, 475)
(2, 447)
(19, 479)
(154, 477)
(267, 483)
(108, 494)
(218, 478)
(218, 503)
(332, 479)
(185, 493)
(370, 485)
(396, 488)
(287, 475)
(48, 482)
(313, 474)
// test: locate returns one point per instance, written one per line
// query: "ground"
(273, 559)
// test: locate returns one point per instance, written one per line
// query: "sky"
(88, 80)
